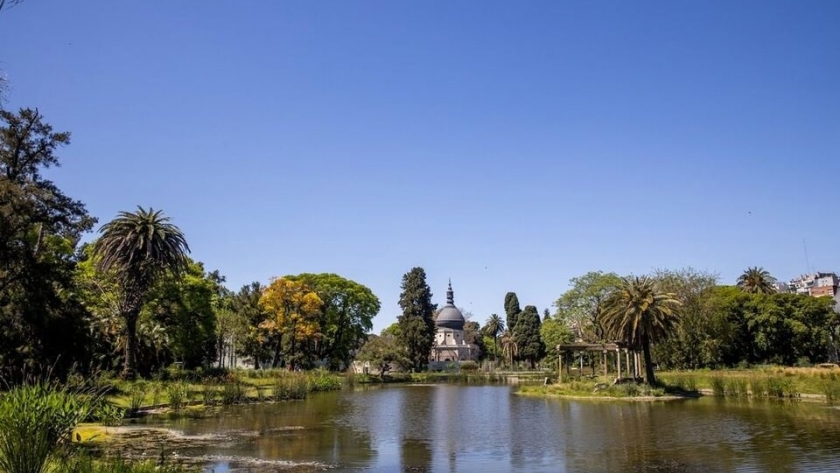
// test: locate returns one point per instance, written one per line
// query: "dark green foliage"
(417, 327)
(512, 309)
(527, 335)
(40, 317)
(246, 304)
(472, 335)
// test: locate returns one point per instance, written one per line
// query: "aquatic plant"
(36, 420)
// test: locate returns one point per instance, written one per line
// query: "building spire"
(450, 296)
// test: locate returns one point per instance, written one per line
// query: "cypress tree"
(527, 336)
(512, 310)
(417, 327)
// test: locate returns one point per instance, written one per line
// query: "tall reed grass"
(36, 421)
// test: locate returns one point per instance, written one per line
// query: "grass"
(769, 382)
(231, 387)
(600, 388)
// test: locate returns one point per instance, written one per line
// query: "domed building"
(449, 344)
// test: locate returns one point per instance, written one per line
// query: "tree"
(510, 350)
(184, 306)
(417, 326)
(692, 344)
(9, 3)
(512, 309)
(346, 316)
(756, 280)
(293, 310)
(527, 334)
(493, 327)
(546, 315)
(639, 314)
(472, 335)
(246, 305)
(383, 353)
(41, 318)
(139, 248)
(580, 306)
(554, 332)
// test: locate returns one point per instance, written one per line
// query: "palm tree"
(139, 247)
(756, 280)
(638, 314)
(509, 347)
(493, 327)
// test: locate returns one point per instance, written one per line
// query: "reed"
(36, 421)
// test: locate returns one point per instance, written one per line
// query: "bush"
(177, 393)
(136, 396)
(469, 365)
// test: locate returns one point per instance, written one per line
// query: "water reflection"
(451, 428)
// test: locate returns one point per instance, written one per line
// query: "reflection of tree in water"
(415, 429)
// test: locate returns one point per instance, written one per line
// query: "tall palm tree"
(139, 247)
(638, 314)
(509, 347)
(756, 280)
(493, 327)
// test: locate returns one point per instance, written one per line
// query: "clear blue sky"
(507, 145)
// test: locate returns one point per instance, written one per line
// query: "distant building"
(816, 285)
(450, 345)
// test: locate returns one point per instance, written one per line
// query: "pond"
(463, 428)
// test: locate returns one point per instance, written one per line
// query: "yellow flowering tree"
(292, 310)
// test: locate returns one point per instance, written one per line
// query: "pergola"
(605, 349)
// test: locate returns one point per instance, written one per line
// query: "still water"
(456, 428)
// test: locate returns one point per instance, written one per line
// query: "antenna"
(807, 263)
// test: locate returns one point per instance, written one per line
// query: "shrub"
(177, 394)
(469, 365)
(136, 396)
(831, 389)
(232, 392)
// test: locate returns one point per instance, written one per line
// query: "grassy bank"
(769, 382)
(602, 389)
(232, 387)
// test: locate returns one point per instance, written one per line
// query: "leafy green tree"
(472, 335)
(554, 332)
(512, 309)
(383, 353)
(346, 316)
(492, 328)
(417, 326)
(639, 314)
(140, 248)
(393, 330)
(246, 305)
(580, 307)
(41, 318)
(527, 334)
(183, 305)
(692, 344)
(756, 280)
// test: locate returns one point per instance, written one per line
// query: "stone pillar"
(618, 362)
(560, 367)
(627, 360)
(606, 368)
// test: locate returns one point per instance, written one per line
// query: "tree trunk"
(649, 376)
(130, 367)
